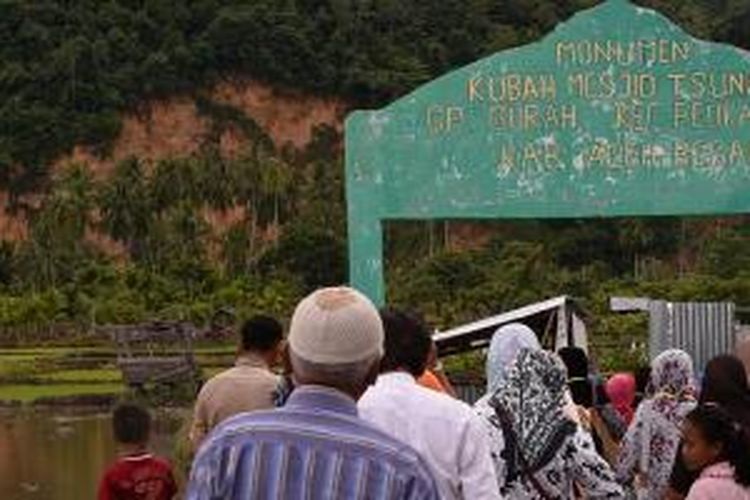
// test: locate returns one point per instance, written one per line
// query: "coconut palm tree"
(126, 207)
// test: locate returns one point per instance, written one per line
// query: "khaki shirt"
(249, 386)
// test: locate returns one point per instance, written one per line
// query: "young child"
(717, 446)
(137, 474)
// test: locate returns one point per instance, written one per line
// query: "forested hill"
(143, 242)
(68, 69)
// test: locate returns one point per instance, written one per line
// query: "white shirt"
(445, 431)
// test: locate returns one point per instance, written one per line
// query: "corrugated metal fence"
(703, 329)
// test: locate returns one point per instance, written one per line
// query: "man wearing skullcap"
(316, 447)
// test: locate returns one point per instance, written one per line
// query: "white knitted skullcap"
(336, 326)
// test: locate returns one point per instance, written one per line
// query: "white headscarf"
(506, 343)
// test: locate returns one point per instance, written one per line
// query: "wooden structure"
(558, 322)
(156, 352)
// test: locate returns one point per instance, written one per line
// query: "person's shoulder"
(438, 404)
(452, 407)
(365, 436)
(235, 374)
(269, 378)
(424, 395)
(213, 381)
(705, 488)
(247, 420)
(384, 447)
(222, 375)
(161, 462)
(244, 429)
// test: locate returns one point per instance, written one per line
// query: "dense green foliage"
(69, 69)
(172, 262)
(525, 262)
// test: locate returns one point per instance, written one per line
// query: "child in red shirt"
(137, 474)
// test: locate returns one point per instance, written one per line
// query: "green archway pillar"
(366, 259)
(364, 225)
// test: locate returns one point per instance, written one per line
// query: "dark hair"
(261, 333)
(642, 380)
(577, 363)
(407, 342)
(716, 425)
(131, 424)
(725, 383)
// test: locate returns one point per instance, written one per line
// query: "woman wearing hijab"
(505, 345)
(724, 384)
(546, 454)
(650, 446)
(607, 425)
(620, 389)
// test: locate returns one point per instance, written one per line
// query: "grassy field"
(27, 374)
(26, 393)
(98, 375)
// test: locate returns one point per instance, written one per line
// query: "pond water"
(48, 456)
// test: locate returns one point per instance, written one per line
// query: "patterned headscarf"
(533, 396)
(620, 389)
(672, 375)
(506, 343)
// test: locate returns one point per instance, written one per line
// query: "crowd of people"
(364, 411)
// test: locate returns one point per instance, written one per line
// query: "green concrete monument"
(617, 112)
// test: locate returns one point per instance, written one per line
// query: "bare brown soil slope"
(174, 127)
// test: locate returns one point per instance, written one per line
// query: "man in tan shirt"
(249, 386)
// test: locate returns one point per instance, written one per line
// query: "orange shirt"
(429, 380)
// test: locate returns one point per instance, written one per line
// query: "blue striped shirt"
(315, 447)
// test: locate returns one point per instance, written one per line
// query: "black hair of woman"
(724, 434)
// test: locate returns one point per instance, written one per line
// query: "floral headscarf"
(672, 375)
(533, 397)
(650, 445)
(506, 343)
